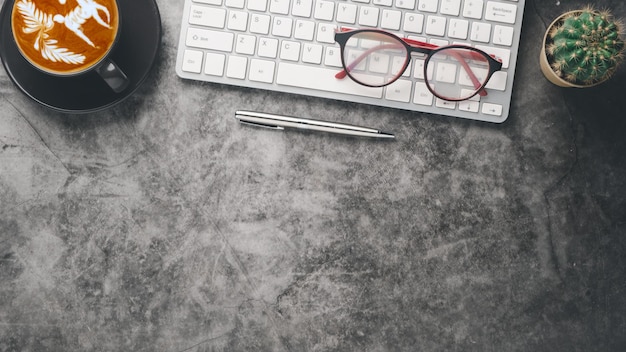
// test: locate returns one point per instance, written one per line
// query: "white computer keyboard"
(288, 46)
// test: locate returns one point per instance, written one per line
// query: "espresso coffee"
(65, 37)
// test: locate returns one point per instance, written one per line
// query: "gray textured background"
(163, 225)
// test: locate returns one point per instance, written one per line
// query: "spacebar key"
(322, 79)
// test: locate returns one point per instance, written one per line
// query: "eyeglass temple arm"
(470, 73)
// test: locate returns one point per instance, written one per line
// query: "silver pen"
(279, 122)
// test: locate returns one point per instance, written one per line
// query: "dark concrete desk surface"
(163, 225)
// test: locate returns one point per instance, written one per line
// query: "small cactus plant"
(585, 47)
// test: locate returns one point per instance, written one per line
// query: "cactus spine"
(585, 48)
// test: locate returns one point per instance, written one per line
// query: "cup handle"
(113, 75)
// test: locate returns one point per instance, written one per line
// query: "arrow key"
(492, 109)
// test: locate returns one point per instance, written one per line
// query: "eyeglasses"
(376, 58)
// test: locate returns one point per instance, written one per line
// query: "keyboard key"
(466, 92)
(322, 79)
(500, 12)
(214, 64)
(383, 2)
(473, 9)
(312, 53)
(458, 28)
(210, 2)
(379, 63)
(499, 52)
(235, 3)
(290, 51)
(497, 81)
(207, 16)
(237, 67)
(279, 6)
(326, 33)
(324, 10)
(209, 39)
(469, 106)
(436, 25)
(260, 24)
(428, 5)
(262, 71)
(268, 47)
(440, 103)
(391, 20)
(445, 72)
(238, 20)
(503, 35)
(422, 95)
(450, 7)
(257, 5)
(399, 90)
(397, 64)
(418, 69)
(192, 61)
(368, 16)
(413, 22)
(282, 27)
(479, 74)
(438, 42)
(302, 8)
(332, 57)
(246, 44)
(492, 109)
(304, 30)
(346, 13)
(405, 4)
(481, 32)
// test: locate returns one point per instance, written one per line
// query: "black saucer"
(135, 54)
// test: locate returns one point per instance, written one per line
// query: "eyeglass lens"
(374, 59)
(377, 59)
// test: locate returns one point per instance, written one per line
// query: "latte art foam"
(64, 36)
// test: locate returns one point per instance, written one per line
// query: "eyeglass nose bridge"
(418, 52)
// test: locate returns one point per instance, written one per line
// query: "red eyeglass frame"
(415, 46)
